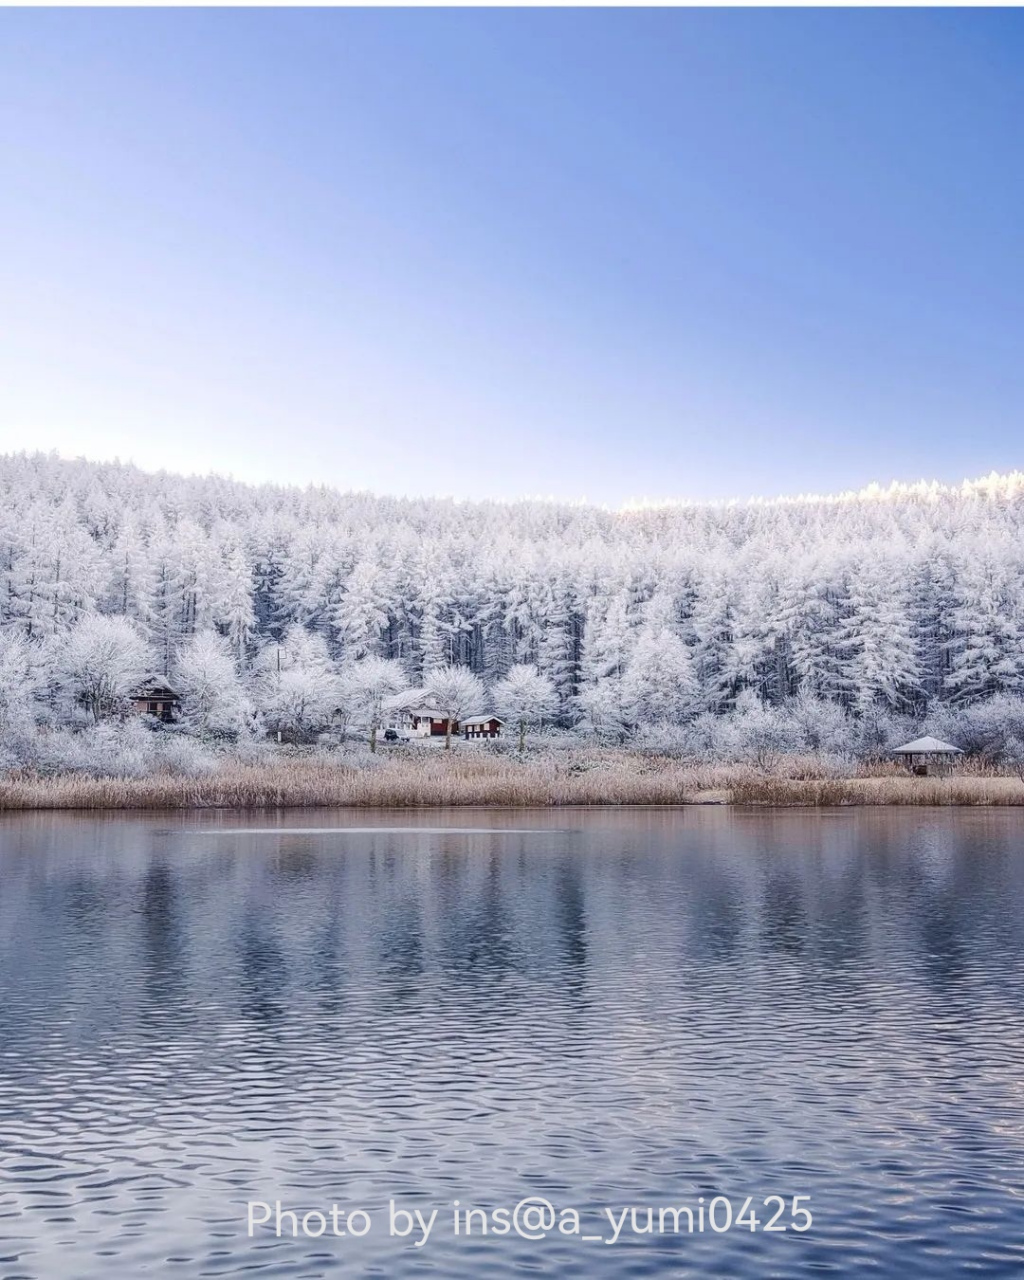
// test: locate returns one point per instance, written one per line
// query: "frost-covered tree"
(236, 612)
(883, 666)
(360, 618)
(985, 645)
(370, 686)
(20, 680)
(295, 685)
(213, 700)
(608, 640)
(524, 697)
(658, 684)
(100, 661)
(812, 607)
(714, 625)
(457, 693)
(128, 576)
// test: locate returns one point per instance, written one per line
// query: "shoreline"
(596, 778)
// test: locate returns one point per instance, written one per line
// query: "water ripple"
(604, 1009)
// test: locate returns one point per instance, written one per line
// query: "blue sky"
(585, 253)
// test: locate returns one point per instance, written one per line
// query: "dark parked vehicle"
(391, 735)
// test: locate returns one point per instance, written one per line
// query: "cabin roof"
(149, 684)
(927, 747)
(481, 719)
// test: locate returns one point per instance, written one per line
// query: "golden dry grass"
(577, 777)
(891, 789)
(463, 778)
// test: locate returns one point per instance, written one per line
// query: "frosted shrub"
(57, 752)
(762, 733)
(952, 725)
(551, 737)
(878, 730)
(507, 746)
(710, 737)
(1013, 755)
(820, 726)
(253, 747)
(602, 706)
(986, 729)
(360, 757)
(1007, 719)
(668, 739)
(112, 749)
(119, 750)
(994, 722)
(183, 757)
(753, 733)
(18, 747)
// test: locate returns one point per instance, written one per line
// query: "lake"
(610, 1010)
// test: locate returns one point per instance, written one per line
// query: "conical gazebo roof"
(927, 747)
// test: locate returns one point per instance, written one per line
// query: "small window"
(153, 708)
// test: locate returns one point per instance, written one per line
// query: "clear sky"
(602, 254)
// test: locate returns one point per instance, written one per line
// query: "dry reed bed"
(577, 778)
(459, 779)
(886, 790)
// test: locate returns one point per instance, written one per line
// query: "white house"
(423, 722)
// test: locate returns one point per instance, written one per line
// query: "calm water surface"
(605, 1009)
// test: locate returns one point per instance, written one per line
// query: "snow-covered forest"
(853, 616)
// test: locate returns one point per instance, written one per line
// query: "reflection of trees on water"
(783, 915)
(400, 953)
(477, 941)
(303, 926)
(571, 905)
(162, 942)
(263, 971)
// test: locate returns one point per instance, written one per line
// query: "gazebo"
(926, 756)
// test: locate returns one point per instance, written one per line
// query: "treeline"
(899, 601)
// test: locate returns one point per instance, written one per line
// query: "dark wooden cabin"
(155, 697)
